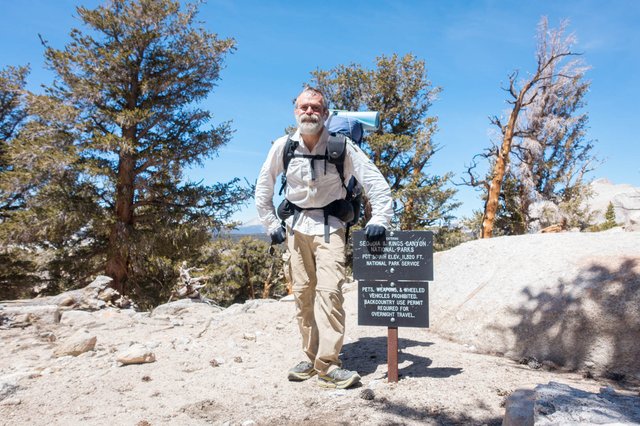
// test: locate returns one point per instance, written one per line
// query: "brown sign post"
(392, 284)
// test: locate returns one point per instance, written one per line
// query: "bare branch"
(512, 84)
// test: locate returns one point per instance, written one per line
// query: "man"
(315, 237)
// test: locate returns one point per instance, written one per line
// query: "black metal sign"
(404, 255)
(393, 304)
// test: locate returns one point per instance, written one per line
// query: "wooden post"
(392, 354)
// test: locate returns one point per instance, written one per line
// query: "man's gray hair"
(315, 90)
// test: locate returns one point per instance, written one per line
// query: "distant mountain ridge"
(251, 229)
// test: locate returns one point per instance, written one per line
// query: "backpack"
(340, 130)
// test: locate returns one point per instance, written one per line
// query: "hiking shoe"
(338, 378)
(303, 371)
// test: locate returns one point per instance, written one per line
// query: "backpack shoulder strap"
(287, 154)
(336, 152)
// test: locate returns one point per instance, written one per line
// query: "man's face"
(310, 113)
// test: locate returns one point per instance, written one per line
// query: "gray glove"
(374, 233)
(278, 236)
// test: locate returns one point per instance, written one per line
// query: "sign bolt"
(392, 270)
(393, 320)
(392, 284)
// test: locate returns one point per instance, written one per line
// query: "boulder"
(560, 404)
(568, 298)
(185, 307)
(20, 316)
(625, 199)
(249, 306)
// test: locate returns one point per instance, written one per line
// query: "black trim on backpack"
(335, 154)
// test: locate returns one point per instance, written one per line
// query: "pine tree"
(609, 217)
(121, 109)
(399, 89)
(12, 117)
(17, 265)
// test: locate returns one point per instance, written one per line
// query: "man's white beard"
(311, 126)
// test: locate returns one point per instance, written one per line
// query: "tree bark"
(499, 170)
(408, 221)
(121, 231)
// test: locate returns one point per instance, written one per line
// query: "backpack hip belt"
(341, 209)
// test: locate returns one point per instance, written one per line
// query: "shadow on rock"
(592, 321)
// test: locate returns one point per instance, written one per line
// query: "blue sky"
(470, 48)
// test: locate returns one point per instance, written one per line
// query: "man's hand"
(374, 233)
(278, 236)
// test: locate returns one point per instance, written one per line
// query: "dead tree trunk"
(499, 170)
(551, 49)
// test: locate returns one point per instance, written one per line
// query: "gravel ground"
(230, 368)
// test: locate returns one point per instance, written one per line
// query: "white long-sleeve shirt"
(308, 193)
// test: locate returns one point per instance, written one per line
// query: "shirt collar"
(321, 143)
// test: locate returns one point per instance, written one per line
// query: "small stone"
(249, 336)
(146, 378)
(531, 362)
(11, 401)
(280, 326)
(107, 294)
(238, 359)
(216, 362)
(367, 394)
(67, 301)
(79, 342)
(135, 354)
(47, 336)
(502, 392)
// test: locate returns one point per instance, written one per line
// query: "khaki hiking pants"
(318, 272)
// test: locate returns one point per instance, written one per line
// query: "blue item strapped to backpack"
(346, 126)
